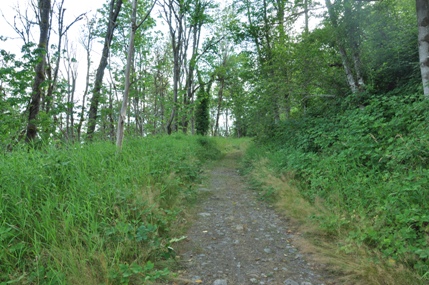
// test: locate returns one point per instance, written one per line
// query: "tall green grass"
(370, 167)
(84, 214)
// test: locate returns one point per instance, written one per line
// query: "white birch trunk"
(350, 78)
(422, 7)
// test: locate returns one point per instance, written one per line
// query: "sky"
(74, 8)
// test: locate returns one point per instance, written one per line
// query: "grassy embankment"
(86, 215)
(357, 180)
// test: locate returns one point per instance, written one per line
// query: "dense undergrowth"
(368, 166)
(87, 215)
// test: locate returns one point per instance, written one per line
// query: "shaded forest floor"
(237, 239)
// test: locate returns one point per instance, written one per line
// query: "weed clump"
(207, 148)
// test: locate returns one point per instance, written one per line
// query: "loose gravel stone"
(290, 282)
(220, 282)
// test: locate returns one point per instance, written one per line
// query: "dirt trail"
(239, 240)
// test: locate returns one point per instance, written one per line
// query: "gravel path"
(239, 240)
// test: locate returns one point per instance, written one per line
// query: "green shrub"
(370, 167)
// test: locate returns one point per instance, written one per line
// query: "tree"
(130, 61)
(198, 16)
(422, 8)
(114, 9)
(174, 15)
(161, 74)
(70, 67)
(86, 40)
(202, 112)
(348, 33)
(39, 79)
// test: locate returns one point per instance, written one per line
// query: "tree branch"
(147, 15)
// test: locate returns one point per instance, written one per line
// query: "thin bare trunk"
(174, 17)
(71, 72)
(115, 7)
(87, 43)
(219, 106)
(226, 122)
(45, 9)
(62, 31)
(306, 16)
(110, 116)
(49, 99)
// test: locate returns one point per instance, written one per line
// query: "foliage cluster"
(368, 165)
(84, 214)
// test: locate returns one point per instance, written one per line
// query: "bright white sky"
(74, 8)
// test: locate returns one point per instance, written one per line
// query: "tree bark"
(49, 99)
(173, 13)
(355, 83)
(45, 9)
(130, 63)
(130, 60)
(115, 7)
(71, 74)
(422, 8)
(87, 43)
(219, 105)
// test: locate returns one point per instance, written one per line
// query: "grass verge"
(326, 230)
(87, 215)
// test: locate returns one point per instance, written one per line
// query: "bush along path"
(239, 240)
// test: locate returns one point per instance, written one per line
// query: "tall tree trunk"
(87, 45)
(110, 116)
(422, 8)
(173, 13)
(45, 9)
(351, 80)
(130, 61)
(71, 72)
(219, 106)
(115, 7)
(71, 106)
(306, 17)
(226, 122)
(347, 69)
(49, 99)
(352, 29)
(196, 35)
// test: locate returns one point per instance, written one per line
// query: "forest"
(108, 117)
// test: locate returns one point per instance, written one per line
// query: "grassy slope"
(86, 215)
(359, 178)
